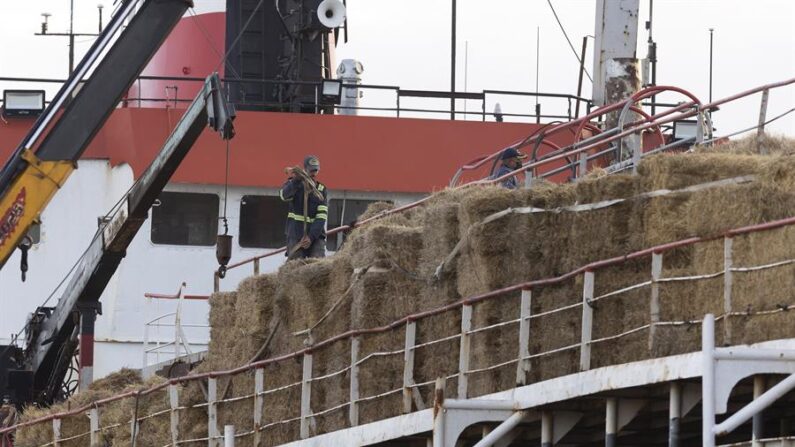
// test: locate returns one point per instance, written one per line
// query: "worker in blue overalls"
(307, 211)
(511, 160)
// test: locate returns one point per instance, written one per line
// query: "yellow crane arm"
(27, 197)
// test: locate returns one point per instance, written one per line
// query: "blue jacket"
(292, 192)
(509, 182)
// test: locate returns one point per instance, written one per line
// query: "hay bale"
(116, 413)
(386, 270)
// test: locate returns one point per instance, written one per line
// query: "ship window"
(181, 218)
(262, 221)
(343, 212)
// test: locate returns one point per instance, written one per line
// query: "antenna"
(70, 34)
(99, 8)
(538, 62)
(45, 23)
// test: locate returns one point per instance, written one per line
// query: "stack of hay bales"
(391, 268)
(114, 417)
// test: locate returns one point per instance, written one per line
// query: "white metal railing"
(179, 345)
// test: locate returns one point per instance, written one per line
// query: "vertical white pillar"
(525, 310)
(93, 416)
(306, 396)
(229, 436)
(353, 410)
(760, 131)
(463, 355)
(546, 429)
(173, 398)
(408, 364)
(587, 321)
(259, 403)
(727, 289)
(674, 414)
(611, 421)
(212, 413)
(758, 430)
(56, 433)
(654, 303)
(708, 381)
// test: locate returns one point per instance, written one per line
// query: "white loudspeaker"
(331, 13)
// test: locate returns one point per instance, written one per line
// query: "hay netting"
(470, 241)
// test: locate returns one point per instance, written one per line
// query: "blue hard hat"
(512, 153)
(311, 163)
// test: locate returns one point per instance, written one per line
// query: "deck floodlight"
(23, 102)
(331, 91)
(685, 129)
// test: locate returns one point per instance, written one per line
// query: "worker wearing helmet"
(307, 210)
(510, 160)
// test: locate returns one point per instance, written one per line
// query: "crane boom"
(43, 161)
(46, 359)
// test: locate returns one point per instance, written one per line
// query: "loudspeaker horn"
(331, 13)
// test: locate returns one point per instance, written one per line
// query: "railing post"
(256, 266)
(587, 321)
(408, 365)
(637, 149)
(173, 400)
(700, 128)
(353, 410)
(525, 310)
(177, 326)
(229, 436)
(463, 355)
(760, 131)
(146, 335)
(708, 381)
(259, 402)
(212, 413)
(306, 395)
(56, 433)
(654, 303)
(728, 244)
(135, 430)
(582, 166)
(528, 178)
(93, 416)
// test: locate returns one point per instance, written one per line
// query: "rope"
(576, 56)
(226, 190)
(581, 208)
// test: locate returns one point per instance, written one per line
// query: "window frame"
(217, 216)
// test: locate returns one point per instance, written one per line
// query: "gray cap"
(311, 163)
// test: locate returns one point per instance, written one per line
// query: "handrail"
(398, 91)
(585, 121)
(528, 285)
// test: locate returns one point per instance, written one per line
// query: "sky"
(407, 43)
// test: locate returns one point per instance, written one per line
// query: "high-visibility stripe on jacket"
(292, 192)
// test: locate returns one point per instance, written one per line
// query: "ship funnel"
(331, 13)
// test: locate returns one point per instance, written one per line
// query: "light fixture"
(331, 91)
(685, 129)
(23, 102)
